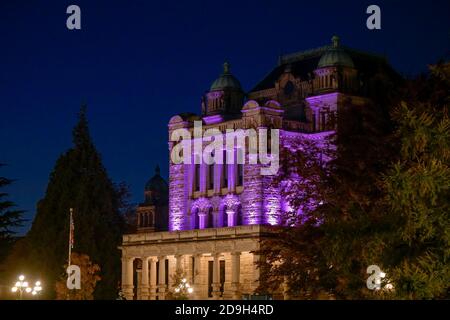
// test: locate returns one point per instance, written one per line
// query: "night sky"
(137, 63)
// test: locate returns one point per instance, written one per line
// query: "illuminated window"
(240, 168)
(197, 174)
(224, 170)
(210, 218)
(194, 219)
(211, 176)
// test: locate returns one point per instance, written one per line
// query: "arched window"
(145, 220)
(240, 167)
(150, 220)
(210, 218)
(224, 170)
(197, 177)
(224, 217)
(210, 176)
(194, 218)
(239, 216)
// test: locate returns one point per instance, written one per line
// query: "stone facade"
(199, 254)
(219, 213)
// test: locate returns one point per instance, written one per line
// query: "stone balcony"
(248, 231)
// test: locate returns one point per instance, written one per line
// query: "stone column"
(127, 278)
(231, 217)
(162, 278)
(196, 281)
(144, 276)
(178, 259)
(216, 277)
(235, 274)
(202, 220)
(153, 278)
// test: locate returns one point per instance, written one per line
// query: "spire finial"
(226, 67)
(157, 170)
(335, 41)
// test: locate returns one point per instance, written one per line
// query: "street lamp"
(21, 286)
(37, 288)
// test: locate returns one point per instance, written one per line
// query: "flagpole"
(70, 233)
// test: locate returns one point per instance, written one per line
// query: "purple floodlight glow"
(217, 118)
(258, 203)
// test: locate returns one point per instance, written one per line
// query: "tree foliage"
(417, 192)
(88, 279)
(384, 200)
(10, 219)
(79, 181)
(179, 291)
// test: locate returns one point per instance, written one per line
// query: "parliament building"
(206, 223)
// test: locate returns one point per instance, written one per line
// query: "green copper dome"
(156, 189)
(226, 80)
(335, 56)
(156, 183)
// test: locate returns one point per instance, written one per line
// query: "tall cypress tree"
(79, 181)
(10, 218)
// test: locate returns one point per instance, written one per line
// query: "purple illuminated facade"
(297, 97)
(216, 215)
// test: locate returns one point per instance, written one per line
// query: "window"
(240, 168)
(239, 216)
(240, 179)
(194, 218)
(288, 88)
(197, 177)
(224, 170)
(224, 217)
(145, 220)
(222, 275)
(157, 272)
(211, 176)
(210, 277)
(210, 223)
(166, 266)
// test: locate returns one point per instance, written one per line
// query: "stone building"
(217, 214)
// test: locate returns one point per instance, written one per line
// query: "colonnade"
(151, 288)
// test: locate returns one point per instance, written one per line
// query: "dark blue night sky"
(137, 63)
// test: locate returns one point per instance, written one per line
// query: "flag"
(72, 228)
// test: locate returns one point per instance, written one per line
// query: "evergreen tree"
(78, 181)
(10, 218)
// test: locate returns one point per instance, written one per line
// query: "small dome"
(226, 80)
(156, 183)
(181, 117)
(156, 189)
(335, 56)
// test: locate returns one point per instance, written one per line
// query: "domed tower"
(152, 214)
(225, 95)
(335, 70)
(335, 86)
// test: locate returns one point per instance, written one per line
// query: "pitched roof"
(304, 63)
